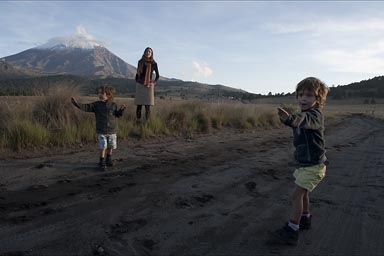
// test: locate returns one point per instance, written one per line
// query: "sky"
(256, 46)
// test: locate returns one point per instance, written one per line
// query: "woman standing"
(145, 85)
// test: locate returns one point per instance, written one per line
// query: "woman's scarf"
(148, 72)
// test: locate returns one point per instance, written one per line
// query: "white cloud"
(368, 60)
(82, 32)
(355, 46)
(321, 27)
(195, 71)
(80, 39)
(201, 70)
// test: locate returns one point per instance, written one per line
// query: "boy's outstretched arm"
(311, 119)
(119, 112)
(84, 107)
(283, 115)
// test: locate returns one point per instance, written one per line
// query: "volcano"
(78, 55)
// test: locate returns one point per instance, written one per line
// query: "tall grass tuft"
(55, 110)
(176, 122)
(203, 122)
(50, 120)
(23, 134)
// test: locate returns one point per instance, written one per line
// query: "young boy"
(106, 112)
(308, 132)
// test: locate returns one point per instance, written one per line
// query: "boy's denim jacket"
(106, 113)
(308, 133)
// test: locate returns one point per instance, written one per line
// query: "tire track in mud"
(29, 238)
(73, 188)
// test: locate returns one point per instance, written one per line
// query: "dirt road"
(218, 194)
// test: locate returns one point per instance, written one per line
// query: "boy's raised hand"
(283, 114)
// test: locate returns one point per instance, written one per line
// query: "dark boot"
(305, 222)
(102, 163)
(287, 235)
(109, 161)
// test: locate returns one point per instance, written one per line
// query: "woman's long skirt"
(144, 95)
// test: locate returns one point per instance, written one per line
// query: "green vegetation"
(50, 120)
(369, 90)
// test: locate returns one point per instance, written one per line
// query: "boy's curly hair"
(315, 85)
(108, 89)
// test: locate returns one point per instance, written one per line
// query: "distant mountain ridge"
(78, 54)
(81, 60)
(96, 62)
(370, 88)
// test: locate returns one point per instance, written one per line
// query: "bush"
(176, 122)
(24, 134)
(55, 109)
(203, 122)
(51, 120)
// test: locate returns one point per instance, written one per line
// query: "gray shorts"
(107, 141)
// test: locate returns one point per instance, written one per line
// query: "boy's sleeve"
(311, 119)
(118, 112)
(87, 107)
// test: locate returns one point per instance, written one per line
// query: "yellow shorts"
(310, 176)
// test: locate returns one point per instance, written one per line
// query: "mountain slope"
(371, 88)
(8, 71)
(94, 62)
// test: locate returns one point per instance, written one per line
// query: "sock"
(293, 225)
(306, 214)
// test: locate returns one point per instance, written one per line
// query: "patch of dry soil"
(219, 194)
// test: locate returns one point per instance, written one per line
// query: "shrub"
(176, 122)
(55, 109)
(269, 119)
(24, 134)
(203, 122)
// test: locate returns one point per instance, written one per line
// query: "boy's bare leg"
(109, 151)
(102, 153)
(306, 202)
(298, 199)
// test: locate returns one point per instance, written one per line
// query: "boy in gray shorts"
(105, 112)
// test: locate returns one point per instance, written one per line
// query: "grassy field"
(28, 122)
(32, 122)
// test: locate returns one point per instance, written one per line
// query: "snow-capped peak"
(81, 39)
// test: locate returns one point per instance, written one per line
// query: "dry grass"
(373, 110)
(51, 120)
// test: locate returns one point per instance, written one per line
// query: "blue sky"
(258, 46)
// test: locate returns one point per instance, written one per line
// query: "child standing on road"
(106, 112)
(308, 132)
